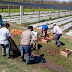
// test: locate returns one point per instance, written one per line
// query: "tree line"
(56, 2)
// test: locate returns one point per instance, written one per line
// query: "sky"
(63, 0)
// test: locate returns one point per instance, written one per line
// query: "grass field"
(15, 65)
(25, 10)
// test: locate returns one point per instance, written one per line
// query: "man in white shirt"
(58, 33)
(4, 40)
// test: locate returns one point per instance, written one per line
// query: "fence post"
(33, 10)
(39, 14)
(20, 14)
(9, 10)
(14, 7)
(23, 10)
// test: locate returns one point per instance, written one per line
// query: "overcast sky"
(57, 0)
(64, 0)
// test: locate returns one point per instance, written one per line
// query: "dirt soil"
(67, 37)
(54, 66)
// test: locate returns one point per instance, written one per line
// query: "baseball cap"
(7, 24)
(30, 27)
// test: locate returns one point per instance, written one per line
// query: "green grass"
(63, 61)
(25, 10)
(15, 65)
(10, 65)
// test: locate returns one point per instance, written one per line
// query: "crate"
(44, 41)
(69, 50)
(65, 52)
(51, 37)
(43, 33)
(48, 38)
(49, 33)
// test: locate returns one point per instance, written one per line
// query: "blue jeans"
(28, 50)
(57, 37)
(7, 47)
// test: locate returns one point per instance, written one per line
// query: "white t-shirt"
(4, 33)
(35, 33)
(57, 30)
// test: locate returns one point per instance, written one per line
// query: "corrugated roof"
(39, 5)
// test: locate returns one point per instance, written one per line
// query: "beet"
(48, 51)
(38, 39)
(46, 39)
(67, 51)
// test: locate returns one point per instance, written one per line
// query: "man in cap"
(4, 40)
(26, 37)
(34, 44)
(58, 32)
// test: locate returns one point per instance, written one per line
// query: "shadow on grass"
(39, 46)
(14, 49)
(37, 59)
(62, 43)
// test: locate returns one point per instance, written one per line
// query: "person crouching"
(44, 30)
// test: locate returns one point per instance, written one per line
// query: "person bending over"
(57, 30)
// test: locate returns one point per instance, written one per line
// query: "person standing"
(1, 21)
(26, 37)
(4, 40)
(34, 44)
(58, 32)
